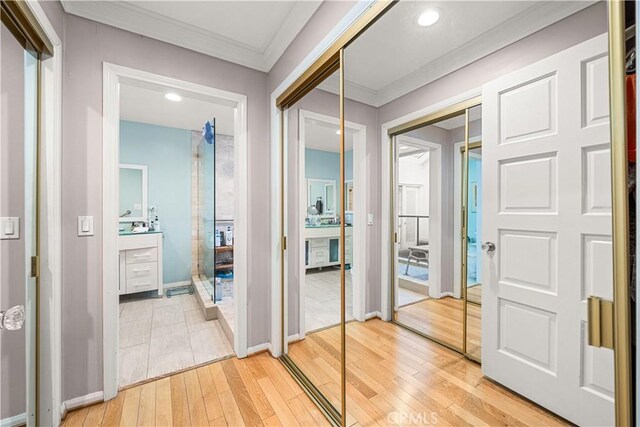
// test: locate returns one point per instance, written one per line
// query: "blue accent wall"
(321, 164)
(326, 164)
(167, 154)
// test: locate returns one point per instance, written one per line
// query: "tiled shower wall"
(224, 191)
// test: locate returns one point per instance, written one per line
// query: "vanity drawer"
(142, 270)
(141, 285)
(142, 255)
(319, 256)
(319, 243)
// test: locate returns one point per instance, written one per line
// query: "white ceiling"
(320, 135)
(380, 68)
(147, 104)
(249, 33)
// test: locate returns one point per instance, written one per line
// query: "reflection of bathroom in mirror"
(133, 192)
(321, 194)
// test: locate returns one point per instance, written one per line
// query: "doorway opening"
(161, 136)
(319, 169)
(431, 212)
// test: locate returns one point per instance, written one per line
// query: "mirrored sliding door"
(19, 63)
(317, 293)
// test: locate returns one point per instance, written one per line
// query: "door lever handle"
(489, 246)
(13, 318)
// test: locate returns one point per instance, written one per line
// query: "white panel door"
(547, 208)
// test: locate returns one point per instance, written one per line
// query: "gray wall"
(87, 45)
(321, 23)
(12, 199)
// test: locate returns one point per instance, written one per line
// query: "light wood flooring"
(390, 371)
(234, 392)
(442, 320)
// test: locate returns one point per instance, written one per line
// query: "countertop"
(131, 233)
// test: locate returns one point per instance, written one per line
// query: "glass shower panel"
(206, 215)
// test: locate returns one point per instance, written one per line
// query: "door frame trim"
(435, 238)
(385, 176)
(50, 211)
(112, 76)
(360, 173)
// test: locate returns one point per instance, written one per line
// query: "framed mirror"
(133, 193)
(323, 191)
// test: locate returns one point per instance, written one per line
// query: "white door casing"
(547, 206)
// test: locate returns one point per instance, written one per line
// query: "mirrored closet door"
(318, 296)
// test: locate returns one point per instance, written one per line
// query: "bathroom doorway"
(319, 196)
(169, 195)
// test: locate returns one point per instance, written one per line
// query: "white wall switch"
(137, 206)
(9, 227)
(85, 226)
(370, 219)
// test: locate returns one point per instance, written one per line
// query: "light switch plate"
(9, 228)
(85, 226)
(370, 219)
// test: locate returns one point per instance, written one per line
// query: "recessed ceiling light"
(428, 18)
(403, 147)
(338, 132)
(173, 97)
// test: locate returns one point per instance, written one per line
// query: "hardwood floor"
(442, 319)
(391, 373)
(234, 392)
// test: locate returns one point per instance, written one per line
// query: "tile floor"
(322, 298)
(163, 335)
(407, 296)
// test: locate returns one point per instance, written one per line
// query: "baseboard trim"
(293, 338)
(446, 294)
(372, 315)
(16, 420)
(265, 346)
(80, 402)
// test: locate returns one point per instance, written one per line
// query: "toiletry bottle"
(229, 236)
(218, 240)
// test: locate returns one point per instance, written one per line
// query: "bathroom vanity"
(140, 262)
(322, 245)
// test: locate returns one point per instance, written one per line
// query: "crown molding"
(535, 18)
(127, 16)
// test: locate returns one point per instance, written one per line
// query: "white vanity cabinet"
(140, 263)
(322, 246)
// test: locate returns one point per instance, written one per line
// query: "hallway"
(390, 371)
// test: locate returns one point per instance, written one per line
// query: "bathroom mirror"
(324, 190)
(133, 193)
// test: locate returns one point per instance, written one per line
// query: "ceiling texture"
(249, 33)
(147, 104)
